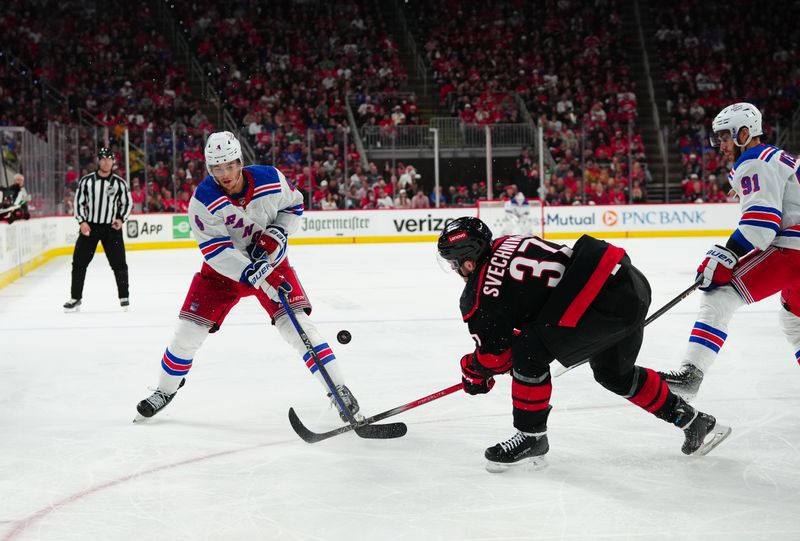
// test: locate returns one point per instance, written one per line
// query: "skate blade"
(533, 463)
(72, 310)
(713, 438)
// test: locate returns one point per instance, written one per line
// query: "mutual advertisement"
(631, 219)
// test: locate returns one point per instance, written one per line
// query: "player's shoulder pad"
(263, 174)
(763, 153)
(211, 195)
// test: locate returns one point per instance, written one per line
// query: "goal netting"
(504, 218)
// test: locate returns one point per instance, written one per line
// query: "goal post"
(493, 213)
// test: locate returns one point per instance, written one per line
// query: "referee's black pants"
(85, 247)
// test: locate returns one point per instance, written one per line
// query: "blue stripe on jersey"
(212, 241)
(761, 223)
(771, 154)
(749, 154)
(759, 208)
(211, 255)
(263, 175)
(742, 241)
(297, 209)
(266, 192)
(789, 233)
(703, 342)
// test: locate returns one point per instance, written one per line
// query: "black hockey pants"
(85, 247)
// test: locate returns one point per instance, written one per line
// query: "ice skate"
(72, 305)
(124, 303)
(684, 382)
(701, 430)
(349, 401)
(155, 403)
(520, 449)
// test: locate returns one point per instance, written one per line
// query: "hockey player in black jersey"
(528, 302)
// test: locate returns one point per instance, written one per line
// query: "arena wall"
(25, 245)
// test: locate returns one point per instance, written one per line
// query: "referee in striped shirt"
(102, 203)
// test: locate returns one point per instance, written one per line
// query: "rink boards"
(27, 244)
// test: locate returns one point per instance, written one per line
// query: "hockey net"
(493, 213)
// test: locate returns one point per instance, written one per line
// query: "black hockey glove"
(475, 378)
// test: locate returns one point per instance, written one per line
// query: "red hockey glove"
(476, 380)
(717, 268)
(270, 245)
(273, 282)
(261, 274)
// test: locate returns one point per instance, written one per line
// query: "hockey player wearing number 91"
(528, 302)
(241, 218)
(762, 255)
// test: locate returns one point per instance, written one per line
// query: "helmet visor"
(447, 265)
(717, 138)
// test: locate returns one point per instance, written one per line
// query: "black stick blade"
(381, 432)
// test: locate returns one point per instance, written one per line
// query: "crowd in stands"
(566, 59)
(289, 92)
(752, 56)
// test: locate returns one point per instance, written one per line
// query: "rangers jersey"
(767, 181)
(225, 225)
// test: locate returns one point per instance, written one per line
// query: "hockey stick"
(394, 430)
(561, 370)
(314, 437)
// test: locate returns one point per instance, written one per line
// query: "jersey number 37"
(522, 267)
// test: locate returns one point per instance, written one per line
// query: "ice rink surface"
(222, 463)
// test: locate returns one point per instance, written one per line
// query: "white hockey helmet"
(519, 198)
(222, 147)
(732, 119)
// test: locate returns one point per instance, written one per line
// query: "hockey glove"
(717, 268)
(475, 379)
(261, 274)
(270, 245)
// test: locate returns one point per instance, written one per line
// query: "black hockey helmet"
(464, 238)
(105, 152)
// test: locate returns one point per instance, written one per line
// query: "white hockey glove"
(270, 245)
(717, 268)
(262, 274)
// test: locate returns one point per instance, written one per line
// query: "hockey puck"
(344, 337)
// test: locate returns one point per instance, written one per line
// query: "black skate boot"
(124, 302)
(155, 403)
(684, 382)
(72, 305)
(519, 449)
(349, 401)
(701, 430)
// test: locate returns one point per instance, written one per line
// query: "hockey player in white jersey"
(517, 219)
(241, 218)
(762, 255)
